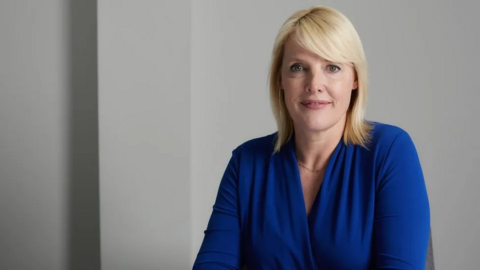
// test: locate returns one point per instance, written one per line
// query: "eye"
(296, 68)
(333, 68)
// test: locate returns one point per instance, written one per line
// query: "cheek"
(341, 93)
(289, 99)
(343, 99)
(292, 93)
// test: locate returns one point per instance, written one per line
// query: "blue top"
(371, 212)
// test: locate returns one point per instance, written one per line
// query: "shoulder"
(251, 154)
(392, 146)
(259, 146)
(385, 135)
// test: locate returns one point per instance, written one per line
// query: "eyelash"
(303, 68)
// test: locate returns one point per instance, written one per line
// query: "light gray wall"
(33, 136)
(144, 99)
(48, 136)
(423, 71)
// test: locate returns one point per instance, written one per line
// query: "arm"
(402, 215)
(221, 244)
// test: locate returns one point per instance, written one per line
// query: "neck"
(313, 149)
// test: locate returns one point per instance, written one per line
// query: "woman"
(328, 190)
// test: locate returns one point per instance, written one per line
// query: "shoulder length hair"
(329, 34)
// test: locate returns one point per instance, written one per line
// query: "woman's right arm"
(221, 245)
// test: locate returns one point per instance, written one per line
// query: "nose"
(316, 82)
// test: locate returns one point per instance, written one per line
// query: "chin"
(318, 128)
(315, 127)
(315, 123)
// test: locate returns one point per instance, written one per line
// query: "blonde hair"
(329, 34)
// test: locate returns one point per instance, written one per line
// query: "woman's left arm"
(402, 211)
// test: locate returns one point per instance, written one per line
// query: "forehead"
(292, 51)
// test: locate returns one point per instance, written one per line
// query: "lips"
(315, 102)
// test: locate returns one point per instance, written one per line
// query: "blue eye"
(333, 68)
(296, 68)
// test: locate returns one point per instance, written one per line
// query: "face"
(317, 92)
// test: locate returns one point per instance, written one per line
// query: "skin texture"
(307, 76)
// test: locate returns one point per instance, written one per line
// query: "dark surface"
(83, 183)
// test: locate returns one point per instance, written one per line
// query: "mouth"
(315, 104)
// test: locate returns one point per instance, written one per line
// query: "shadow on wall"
(83, 183)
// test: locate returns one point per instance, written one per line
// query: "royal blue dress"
(371, 212)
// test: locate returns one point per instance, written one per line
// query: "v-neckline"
(308, 218)
(307, 222)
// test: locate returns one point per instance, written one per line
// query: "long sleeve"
(402, 214)
(221, 245)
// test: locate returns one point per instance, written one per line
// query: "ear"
(355, 85)
(355, 82)
(280, 81)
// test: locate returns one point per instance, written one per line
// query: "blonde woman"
(328, 190)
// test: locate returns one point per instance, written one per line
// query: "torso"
(340, 204)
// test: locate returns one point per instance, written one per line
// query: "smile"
(315, 104)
